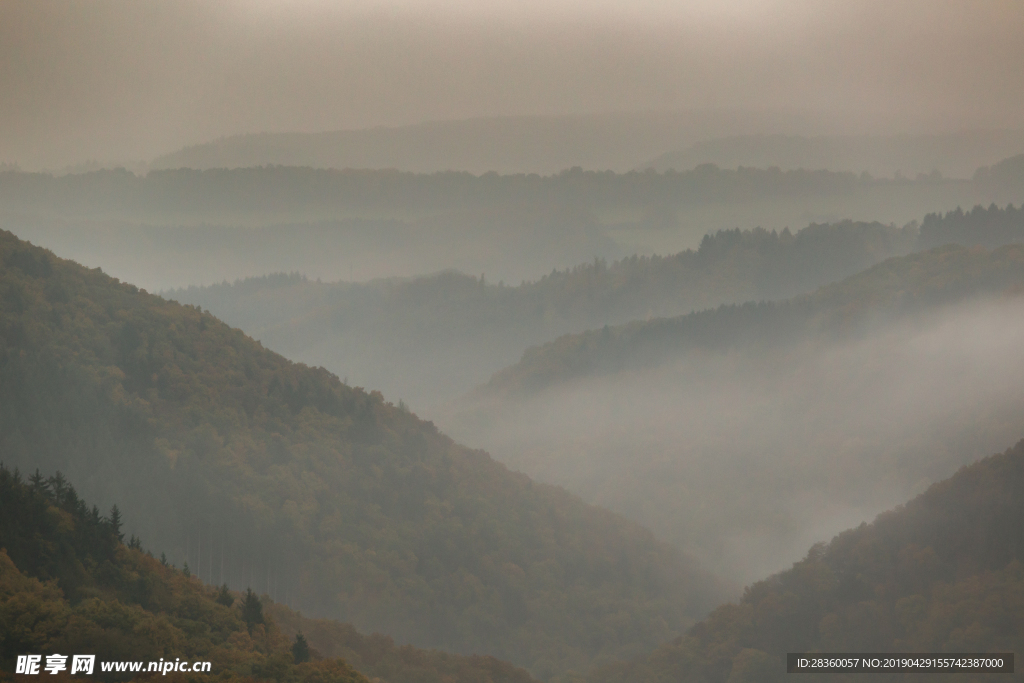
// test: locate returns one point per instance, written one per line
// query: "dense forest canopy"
(70, 583)
(991, 227)
(261, 472)
(943, 573)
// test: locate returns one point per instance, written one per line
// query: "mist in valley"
(428, 340)
(524, 329)
(747, 457)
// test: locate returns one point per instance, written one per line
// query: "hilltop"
(991, 227)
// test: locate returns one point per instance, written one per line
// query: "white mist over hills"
(745, 458)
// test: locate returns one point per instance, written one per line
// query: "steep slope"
(431, 339)
(943, 573)
(743, 434)
(379, 657)
(69, 585)
(261, 472)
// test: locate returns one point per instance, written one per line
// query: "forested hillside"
(379, 657)
(943, 573)
(897, 287)
(261, 472)
(183, 227)
(430, 339)
(745, 433)
(69, 583)
(991, 227)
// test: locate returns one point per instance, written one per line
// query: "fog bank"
(746, 458)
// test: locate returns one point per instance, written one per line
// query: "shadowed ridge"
(943, 573)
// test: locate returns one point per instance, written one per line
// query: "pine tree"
(252, 609)
(224, 597)
(300, 649)
(115, 522)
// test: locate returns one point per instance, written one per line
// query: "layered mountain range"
(261, 472)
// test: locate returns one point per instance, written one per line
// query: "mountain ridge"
(956, 155)
(743, 433)
(429, 339)
(504, 144)
(894, 282)
(941, 573)
(263, 472)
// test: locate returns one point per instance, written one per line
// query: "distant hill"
(511, 144)
(1003, 180)
(898, 286)
(955, 155)
(744, 433)
(66, 571)
(431, 339)
(261, 472)
(185, 227)
(991, 227)
(266, 194)
(943, 573)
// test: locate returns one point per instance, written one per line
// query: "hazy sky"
(129, 79)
